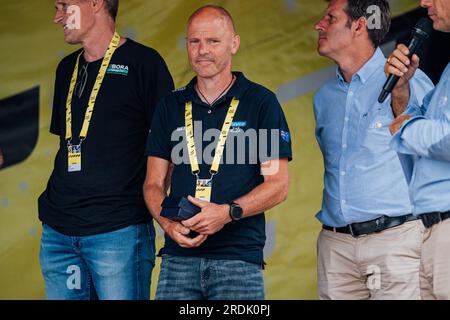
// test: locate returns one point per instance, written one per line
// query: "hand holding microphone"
(401, 65)
(403, 62)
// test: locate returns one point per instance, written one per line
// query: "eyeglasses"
(81, 81)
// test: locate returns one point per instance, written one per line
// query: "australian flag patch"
(285, 136)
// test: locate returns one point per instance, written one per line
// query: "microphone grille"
(424, 25)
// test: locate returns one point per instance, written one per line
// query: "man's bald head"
(213, 9)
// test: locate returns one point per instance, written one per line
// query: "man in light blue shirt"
(370, 243)
(426, 137)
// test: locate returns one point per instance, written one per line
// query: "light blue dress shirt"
(363, 176)
(427, 138)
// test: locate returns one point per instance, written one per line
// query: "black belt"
(432, 218)
(372, 226)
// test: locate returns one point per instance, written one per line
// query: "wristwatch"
(236, 211)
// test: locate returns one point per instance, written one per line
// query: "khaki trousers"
(381, 265)
(435, 262)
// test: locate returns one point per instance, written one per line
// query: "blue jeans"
(109, 266)
(193, 278)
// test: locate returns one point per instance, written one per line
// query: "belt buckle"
(377, 224)
(351, 230)
(380, 224)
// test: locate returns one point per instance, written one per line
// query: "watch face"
(236, 212)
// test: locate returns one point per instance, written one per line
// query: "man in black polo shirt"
(218, 253)
(98, 237)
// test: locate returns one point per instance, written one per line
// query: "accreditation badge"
(74, 158)
(203, 189)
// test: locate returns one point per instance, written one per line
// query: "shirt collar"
(237, 90)
(368, 69)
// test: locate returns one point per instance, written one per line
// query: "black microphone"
(420, 33)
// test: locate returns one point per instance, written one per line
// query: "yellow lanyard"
(114, 44)
(189, 127)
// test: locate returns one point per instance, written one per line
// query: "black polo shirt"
(106, 195)
(259, 111)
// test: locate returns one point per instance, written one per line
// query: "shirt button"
(209, 111)
(350, 93)
(346, 119)
(342, 173)
(344, 146)
(343, 201)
